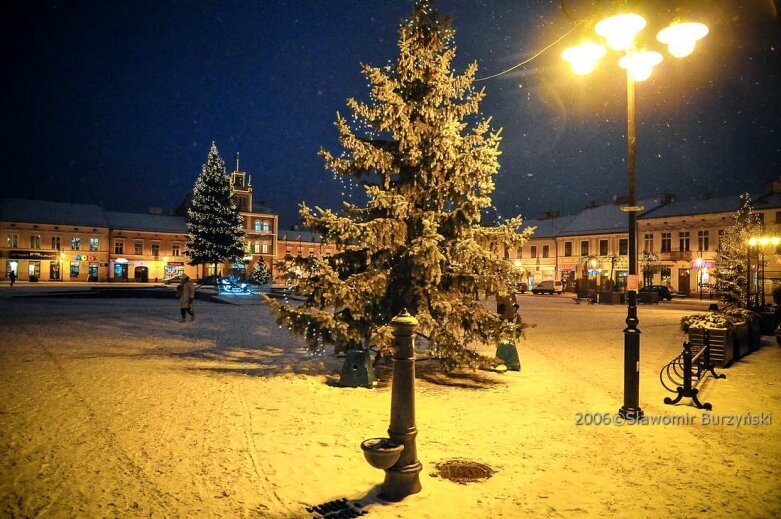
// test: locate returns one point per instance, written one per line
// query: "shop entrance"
(141, 274)
(684, 277)
(120, 272)
(54, 270)
(12, 266)
(34, 270)
(93, 272)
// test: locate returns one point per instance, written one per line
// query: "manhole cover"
(463, 471)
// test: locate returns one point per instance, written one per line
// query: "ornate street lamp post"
(619, 32)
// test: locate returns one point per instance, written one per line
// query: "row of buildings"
(53, 241)
(42, 240)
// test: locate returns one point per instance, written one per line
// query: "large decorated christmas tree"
(427, 164)
(213, 221)
(731, 274)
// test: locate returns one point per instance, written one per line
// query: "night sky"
(117, 102)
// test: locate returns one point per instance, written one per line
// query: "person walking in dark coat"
(186, 293)
(12, 277)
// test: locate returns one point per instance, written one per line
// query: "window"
(35, 241)
(55, 243)
(666, 275)
(683, 241)
(75, 243)
(721, 238)
(648, 242)
(256, 248)
(666, 242)
(778, 216)
(94, 244)
(176, 249)
(12, 240)
(702, 240)
(311, 251)
(584, 248)
(568, 248)
(519, 252)
(545, 251)
(264, 247)
(74, 269)
(603, 247)
(266, 226)
(119, 247)
(138, 247)
(257, 225)
(156, 249)
(623, 246)
(534, 251)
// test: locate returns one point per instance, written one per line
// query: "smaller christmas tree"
(261, 274)
(732, 277)
(214, 222)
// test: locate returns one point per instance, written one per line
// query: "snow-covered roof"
(549, 227)
(770, 201)
(57, 213)
(728, 204)
(146, 222)
(604, 219)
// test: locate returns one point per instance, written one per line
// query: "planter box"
(610, 298)
(742, 340)
(357, 370)
(722, 344)
(755, 336)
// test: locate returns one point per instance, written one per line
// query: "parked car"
(548, 287)
(663, 291)
(521, 287)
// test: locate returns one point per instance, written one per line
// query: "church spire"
(237, 161)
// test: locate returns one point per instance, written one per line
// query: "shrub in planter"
(721, 331)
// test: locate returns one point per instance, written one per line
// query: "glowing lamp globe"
(681, 37)
(640, 64)
(620, 30)
(584, 57)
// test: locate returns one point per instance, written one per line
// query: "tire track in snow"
(266, 483)
(107, 437)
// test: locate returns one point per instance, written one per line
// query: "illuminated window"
(257, 225)
(75, 243)
(648, 242)
(623, 246)
(666, 242)
(94, 244)
(703, 237)
(683, 241)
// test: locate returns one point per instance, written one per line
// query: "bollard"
(403, 479)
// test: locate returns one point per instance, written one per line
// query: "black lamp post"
(619, 32)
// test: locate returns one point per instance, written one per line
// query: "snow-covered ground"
(112, 408)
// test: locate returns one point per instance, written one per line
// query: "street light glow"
(681, 37)
(640, 64)
(619, 31)
(584, 57)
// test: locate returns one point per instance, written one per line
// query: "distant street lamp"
(619, 33)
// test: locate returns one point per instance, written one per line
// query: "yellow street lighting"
(681, 37)
(584, 57)
(619, 31)
(753, 242)
(764, 240)
(775, 240)
(639, 64)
